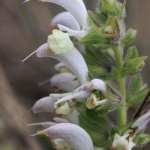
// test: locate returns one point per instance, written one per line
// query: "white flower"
(64, 81)
(138, 125)
(65, 109)
(80, 94)
(77, 137)
(73, 60)
(79, 12)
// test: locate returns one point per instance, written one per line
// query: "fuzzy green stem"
(122, 110)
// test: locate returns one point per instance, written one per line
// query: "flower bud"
(129, 36)
(107, 5)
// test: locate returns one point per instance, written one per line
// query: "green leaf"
(129, 37)
(103, 17)
(111, 8)
(113, 131)
(97, 133)
(78, 104)
(90, 76)
(136, 92)
(133, 66)
(132, 54)
(107, 44)
(93, 21)
(107, 6)
(93, 114)
(92, 38)
(99, 63)
(119, 10)
(114, 98)
(75, 79)
(126, 128)
(134, 86)
(143, 139)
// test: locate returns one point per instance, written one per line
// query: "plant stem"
(122, 110)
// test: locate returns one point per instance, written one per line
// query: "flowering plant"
(93, 80)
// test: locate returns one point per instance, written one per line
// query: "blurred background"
(21, 34)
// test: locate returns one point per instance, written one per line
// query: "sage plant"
(91, 83)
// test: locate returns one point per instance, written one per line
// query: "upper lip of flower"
(73, 60)
(77, 137)
(74, 7)
(66, 19)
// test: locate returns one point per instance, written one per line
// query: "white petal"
(44, 124)
(101, 102)
(73, 117)
(77, 137)
(78, 34)
(60, 120)
(60, 68)
(96, 148)
(130, 144)
(84, 95)
(96, 84)
(65, 19)
(64, 81)
(57, 96)
(75, 7)
(59, 65)
(73, 60)
(67, 97)
(45, 104)
(25, 1)
(141, 122)
(118, 139)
